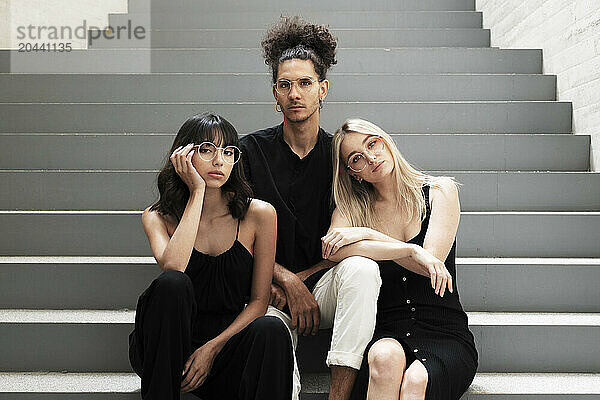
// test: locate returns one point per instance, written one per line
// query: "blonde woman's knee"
(387, 362)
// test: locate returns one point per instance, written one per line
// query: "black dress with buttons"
(430, 328)
(181, 311)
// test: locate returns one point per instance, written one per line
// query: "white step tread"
(484, 383)
(126, 316)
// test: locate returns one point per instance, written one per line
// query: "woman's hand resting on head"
(182, 161)
(435, 268)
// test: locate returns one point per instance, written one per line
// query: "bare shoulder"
(152, 219)
(261, 211)
(447, 192)
(339, 218)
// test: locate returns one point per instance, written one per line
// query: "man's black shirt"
(300, 191)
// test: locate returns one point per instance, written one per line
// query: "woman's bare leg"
(386, 365)
(414, 383)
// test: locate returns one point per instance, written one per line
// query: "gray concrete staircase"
(83, 134)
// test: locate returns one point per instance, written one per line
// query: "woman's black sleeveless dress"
(181, 311)
(430, 328)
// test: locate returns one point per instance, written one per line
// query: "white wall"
(568, 31)
(14, 13)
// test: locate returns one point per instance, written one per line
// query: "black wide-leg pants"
(256, 363)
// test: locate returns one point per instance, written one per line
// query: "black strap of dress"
(426, 195)
(237, 230)
(426, 189)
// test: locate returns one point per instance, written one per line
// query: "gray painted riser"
(491, 287)
(479, 235)
(102, 347)
(431, 152)
(191, 6)
(250, 37)
(442, 117)
(38, 88)
(373, 60)
(166, 19)
(135, 190)
(529, 288)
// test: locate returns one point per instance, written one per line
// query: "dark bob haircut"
(174, 193)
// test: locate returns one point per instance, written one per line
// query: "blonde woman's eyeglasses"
(357, 161)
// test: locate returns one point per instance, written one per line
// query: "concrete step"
(484, 284)
(135, 189)
(432, 60)
(398, 117)
(96, 341)
(353, 37)
(120, 233)
(173, 19)
(289, 6)
(133, 88)
(458, 152)
(126, 386)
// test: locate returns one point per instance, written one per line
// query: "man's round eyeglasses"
(358, 161)
(208, 151)
(283, 86)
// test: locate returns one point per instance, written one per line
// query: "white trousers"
(347, 297)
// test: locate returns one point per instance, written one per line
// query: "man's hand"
(303, 306)
(278, 299)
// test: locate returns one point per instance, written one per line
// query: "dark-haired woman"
(216, 247)
(407, 221)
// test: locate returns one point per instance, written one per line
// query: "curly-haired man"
(290, 166)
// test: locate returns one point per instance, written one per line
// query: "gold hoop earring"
(277, 109)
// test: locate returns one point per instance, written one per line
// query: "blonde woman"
(405, 220)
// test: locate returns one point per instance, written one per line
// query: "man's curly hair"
(292, 38)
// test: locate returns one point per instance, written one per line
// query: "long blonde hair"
(355, 200)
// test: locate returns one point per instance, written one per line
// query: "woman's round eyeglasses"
(283, 86)
(208, 151)
(358, 161)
